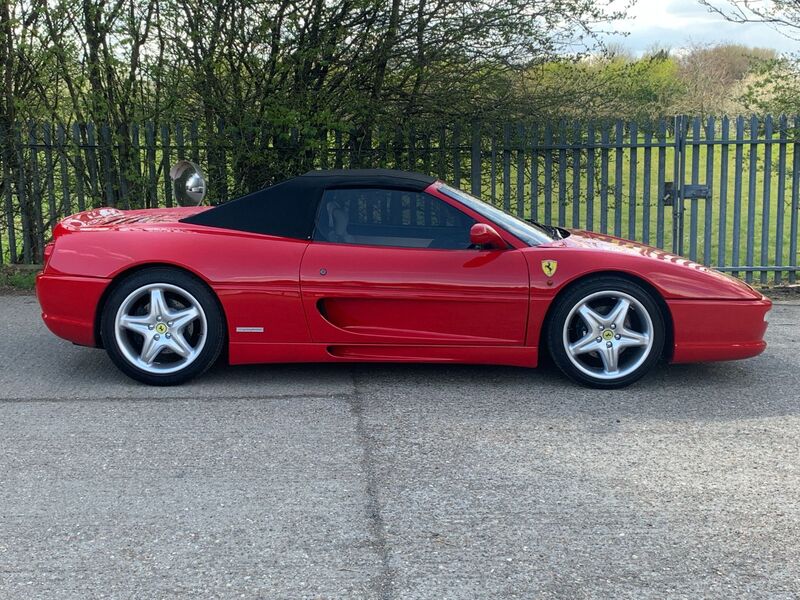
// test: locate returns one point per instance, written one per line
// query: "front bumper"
(712, 330)
(69, 305)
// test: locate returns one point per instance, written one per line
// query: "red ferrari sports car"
(378, 265)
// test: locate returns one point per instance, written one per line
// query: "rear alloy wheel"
(162, 327)
(606, 332)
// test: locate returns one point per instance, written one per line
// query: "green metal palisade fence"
(721, 191)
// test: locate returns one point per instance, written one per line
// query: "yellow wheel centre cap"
(161, 328)
(608, 335)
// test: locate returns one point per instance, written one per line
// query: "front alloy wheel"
(606, 332)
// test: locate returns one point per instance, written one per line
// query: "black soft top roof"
(371, 177)
(288, 209)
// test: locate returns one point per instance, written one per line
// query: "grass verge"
(18, 279)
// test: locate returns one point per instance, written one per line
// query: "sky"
(680, 23)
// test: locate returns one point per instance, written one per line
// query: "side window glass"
(383, 217)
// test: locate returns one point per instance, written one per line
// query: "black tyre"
(162, 326)
(606, 332)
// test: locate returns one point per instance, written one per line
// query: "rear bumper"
(69, 305)
(711, 330)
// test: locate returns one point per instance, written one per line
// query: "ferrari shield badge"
(549, 267)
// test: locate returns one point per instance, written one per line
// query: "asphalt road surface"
(377, 481)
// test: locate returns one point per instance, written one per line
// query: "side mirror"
(188, 183)
(486, 236)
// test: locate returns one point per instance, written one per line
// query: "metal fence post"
(534, 172)
(767, 191)
(679, 174)
(590, 152)
(457, 155)
(723, 193)
(577, 148)
(751, 196)
(7, 139)
(475, 160)
(710, 133)
(507, 167)
(795, 203)
(562, 173)
(35, 197)
(781, 198)
(662, 169)
(521, 171)
(61, 140)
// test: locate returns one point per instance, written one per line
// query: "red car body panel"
(69, 305)
(320, 301)
(414, 295)
(718, 330)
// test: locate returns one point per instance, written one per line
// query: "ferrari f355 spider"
(385, 266)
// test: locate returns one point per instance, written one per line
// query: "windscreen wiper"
(551, 229)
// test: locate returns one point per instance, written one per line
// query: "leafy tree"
(277, 73)
(774, 84)
(712, 76)
(773, 87)
(608, 87)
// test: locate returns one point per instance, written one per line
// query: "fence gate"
(676, 193)
(753, 162)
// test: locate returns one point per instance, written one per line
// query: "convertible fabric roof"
(379, 178)
(288, 209)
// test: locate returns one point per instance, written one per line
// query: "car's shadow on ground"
(740, 389)
(764, 386)
(761, 387)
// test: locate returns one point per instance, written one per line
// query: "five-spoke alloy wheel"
(162, 326)
(606, 332)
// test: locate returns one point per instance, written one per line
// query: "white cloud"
(680, 23)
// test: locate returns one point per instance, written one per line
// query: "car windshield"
(531, 233)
